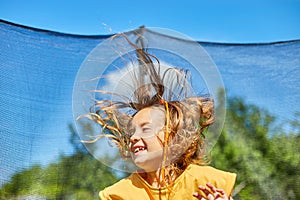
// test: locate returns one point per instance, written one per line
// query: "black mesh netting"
(40, 156)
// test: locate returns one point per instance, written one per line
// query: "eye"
(146, 129)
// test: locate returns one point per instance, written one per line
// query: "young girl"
(164, 137)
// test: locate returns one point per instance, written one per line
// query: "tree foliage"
(264, 155)
(77, 176)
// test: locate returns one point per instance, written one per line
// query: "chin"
(147, 163)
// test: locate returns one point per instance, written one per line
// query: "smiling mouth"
(138, 149)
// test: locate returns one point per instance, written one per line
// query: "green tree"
(78, 176)
(266, 161)
(285, 156)
(265, 157)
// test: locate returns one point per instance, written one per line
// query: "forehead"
(149, 115)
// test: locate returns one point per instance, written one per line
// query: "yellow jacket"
(135, 187)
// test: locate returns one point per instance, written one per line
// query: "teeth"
(139, 149)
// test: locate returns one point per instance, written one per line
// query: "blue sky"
(216, 20)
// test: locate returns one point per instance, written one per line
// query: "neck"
(153, 178)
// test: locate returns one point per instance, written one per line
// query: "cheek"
(154, 144)
(161, 136)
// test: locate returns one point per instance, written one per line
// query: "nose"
(135, 137)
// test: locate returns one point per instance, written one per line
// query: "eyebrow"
(145, 123)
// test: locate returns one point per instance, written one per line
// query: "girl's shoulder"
(129, 187)
(201, 175)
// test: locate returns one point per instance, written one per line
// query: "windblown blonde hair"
(189, 116)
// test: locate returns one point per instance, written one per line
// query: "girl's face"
(146, 143)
